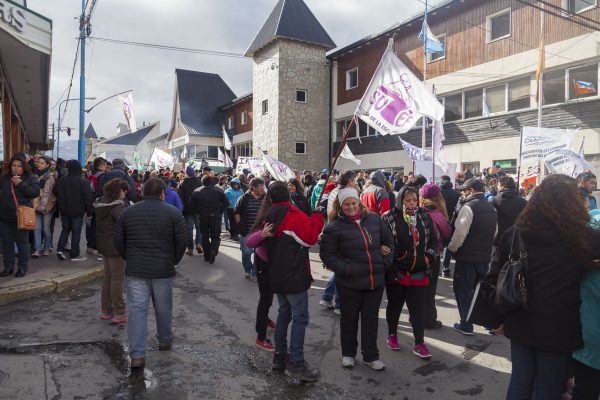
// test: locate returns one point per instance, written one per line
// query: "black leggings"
(414, 296)
(266, 297)
(587, 382)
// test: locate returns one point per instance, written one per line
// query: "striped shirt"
(252, 208)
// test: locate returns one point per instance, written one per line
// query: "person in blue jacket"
(171, 195)
(233, 193)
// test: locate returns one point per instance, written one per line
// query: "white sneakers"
(377, 365)
(348, 362)
(326, 304)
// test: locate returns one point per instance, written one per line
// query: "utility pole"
(83, 27)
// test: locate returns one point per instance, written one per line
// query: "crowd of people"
(377, 233)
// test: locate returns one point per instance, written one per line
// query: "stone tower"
(291, 82)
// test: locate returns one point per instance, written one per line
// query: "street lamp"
(103, 100)
(58, 125)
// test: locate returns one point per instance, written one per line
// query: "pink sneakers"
(421, 351)
(106, 316)
(392, 342)
(266, 345)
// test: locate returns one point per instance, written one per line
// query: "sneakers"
(392, 342)
(326, 304)
(46, 253)
(106, 316)
(279, 361)
(60, 255)
(189, 252)
(247, 275)
(434, 325)
(99, 258)
(271, 324)
(348, 362)
(301, 371)
(119, 319)
(253, 279)
(265, 345)
(337, 311)
(79, 258)
(377, 365)
(463, 329)
(199, 249)
(35, 254)
(446, 274)
(421, 351)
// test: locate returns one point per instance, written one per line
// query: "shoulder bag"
(25, 215)
(511, 290)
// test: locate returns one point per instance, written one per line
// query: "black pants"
(430, 310)
(364, 304)
(447, 259)
(211, 234)
(9, 235)
(266, 297)
(587, 382)
(414, 296)
(233, 226)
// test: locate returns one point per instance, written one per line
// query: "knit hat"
(346, 193)
(118, 163)
(429, 191)
(190, 171)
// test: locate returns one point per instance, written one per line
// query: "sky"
(220, 25)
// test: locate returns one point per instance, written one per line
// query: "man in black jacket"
(451, 197)
(471, 245)
(209, 202)
(74, 199)
(186, 189)
(508, 204)
(150, 236)
(118, 171)
(245, 212)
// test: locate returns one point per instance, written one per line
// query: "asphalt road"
(56, 347)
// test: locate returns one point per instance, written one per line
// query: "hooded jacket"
(28, 189)
(118, 173)
(450, 196)
(186, 189)
(232, 194)
(74, 196)
(352, 250)
(107, 215)
(314, 198)
(375, 197)
(508, 205)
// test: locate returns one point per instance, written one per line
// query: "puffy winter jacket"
(28, 189)
(107, 215)
(375, 197)
(352, 251)
(74, 196)
(151, 236)
(186, 189)
(509, 205)
(208, 201)
(118, 173)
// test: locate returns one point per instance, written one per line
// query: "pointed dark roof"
(90, 132)
(291, 19)
(200, 96)
(132, 138)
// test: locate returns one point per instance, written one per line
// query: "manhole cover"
(3, 376)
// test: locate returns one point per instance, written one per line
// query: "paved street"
(55, 347)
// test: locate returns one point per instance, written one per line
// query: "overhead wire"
(71, 82)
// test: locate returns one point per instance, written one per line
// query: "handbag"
(511, 290)
(482, 310)
(25, 215)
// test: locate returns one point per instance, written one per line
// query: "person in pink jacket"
(432, 201)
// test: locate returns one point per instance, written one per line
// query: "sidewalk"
(49, 274)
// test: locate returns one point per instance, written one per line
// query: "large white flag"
(276, 168)
(396, 99)
(347, 154)
(415, 153)
(127, 105)
(537, 143)
(161, 158)
(224, 158)
(566, 161)
(226, 141)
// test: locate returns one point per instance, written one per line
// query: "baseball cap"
(472, 183)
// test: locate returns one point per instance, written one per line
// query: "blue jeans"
(331, 291)
(193, 221)
(537, 374)
(72, 225)
(10, 235)
(292, 307)
(466, 277)
(226, 221)
(247, 257)
(139, 293)
(42, 228)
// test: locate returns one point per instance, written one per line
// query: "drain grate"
(3, 377)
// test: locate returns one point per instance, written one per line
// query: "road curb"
(53, 285)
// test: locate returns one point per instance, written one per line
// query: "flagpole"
(540, 86)
(580, 151)
(423, 133)
(520, 161)
(337, 155)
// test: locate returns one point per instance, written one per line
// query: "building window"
(301, 96)
(230, 122)
(495, 97)
(577, 6)
(474, 103)
(519, 94)
(363, 128)
(454, 106)
(554, 87)
(300, 147)
(352, 78)
(341, 127)
(213, 152)
(265, 106)
(244, 117)
(473, 166)
(583, 82)
(498, 25)
(431, 57)
(507, 166)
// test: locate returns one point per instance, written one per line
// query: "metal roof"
(291, 19)
(90, 132)
(132, 138)
(200, 96)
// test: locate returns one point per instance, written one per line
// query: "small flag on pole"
(432, 43)
(582, 87)
(437, 138)
(224, 158)
(127, 105)
(226, 141)
(415, 153)
(347, 154)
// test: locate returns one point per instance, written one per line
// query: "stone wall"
(265, 86)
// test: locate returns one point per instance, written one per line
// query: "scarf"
(410, 217)
(42, 172)
(355, 217)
